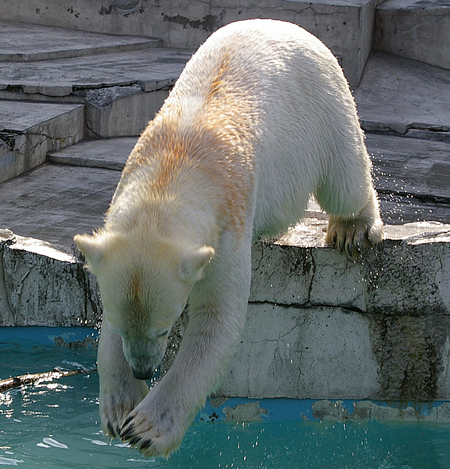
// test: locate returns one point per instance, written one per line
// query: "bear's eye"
(164, 333)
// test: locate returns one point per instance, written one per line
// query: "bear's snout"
(143, 356)
(143, 374)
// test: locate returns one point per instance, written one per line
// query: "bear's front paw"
(115, 406)
(353, 236)
(153, 430)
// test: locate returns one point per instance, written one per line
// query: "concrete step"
(418, 168)
(151, 69)
(416, 29)
(53, 203)
(414, 167)
(30, 42)
(28, 131)
(121, 85)
(106, 154)
(412, 178)
(403, 96)
(121, 91)
(346, 26)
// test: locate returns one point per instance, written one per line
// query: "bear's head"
(144, 285)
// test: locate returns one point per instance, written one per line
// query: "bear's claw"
(134, 440)
(146, 444)
(127, 432)
(112, 432)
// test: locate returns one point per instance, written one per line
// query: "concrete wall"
(346, 26)
(42, 286)
(319, 325)
(416, 29)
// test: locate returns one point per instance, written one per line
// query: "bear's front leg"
(217, 314)
(157, 425)
(120, 392)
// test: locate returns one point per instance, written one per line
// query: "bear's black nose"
(143, 374)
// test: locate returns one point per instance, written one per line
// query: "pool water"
(56, 425)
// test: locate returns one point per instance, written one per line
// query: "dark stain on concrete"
(210, 23)
(409, 351)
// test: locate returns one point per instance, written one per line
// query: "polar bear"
(260, 119)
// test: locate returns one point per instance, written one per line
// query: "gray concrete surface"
(31, 42)
(40, 285)
(121, 85)
(409, 27)
(107, 154)
(415, 167)
(53, 203)
(346, 26)
(122, 81)
(28, 131)
(61, 77)
(397, 94)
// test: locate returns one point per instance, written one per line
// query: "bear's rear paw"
(354, 235)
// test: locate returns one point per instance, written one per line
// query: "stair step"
(122, 91)
(152, 69)
(107, 154)
(29, 42)
(53, 203)
(401, 95)
(416, 29)
(420, 168)
(28, 131)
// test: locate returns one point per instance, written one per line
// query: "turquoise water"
(55, 425)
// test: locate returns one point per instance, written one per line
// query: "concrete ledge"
(107, 154)
(30, 130)
(121, 91)
(319, 326)
(120, 111)
(414, 167)
(415, 29)
(53, 202)
(41, 285)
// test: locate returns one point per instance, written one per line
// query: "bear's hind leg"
(354, 234)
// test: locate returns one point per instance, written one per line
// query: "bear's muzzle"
(143, 374)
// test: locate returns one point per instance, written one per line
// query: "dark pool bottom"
(55, 425)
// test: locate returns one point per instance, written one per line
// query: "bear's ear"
(195, 261)
(91, 247)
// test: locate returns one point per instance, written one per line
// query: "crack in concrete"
(313, 305)
(10, 310)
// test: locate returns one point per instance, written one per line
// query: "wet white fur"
(260, 119)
